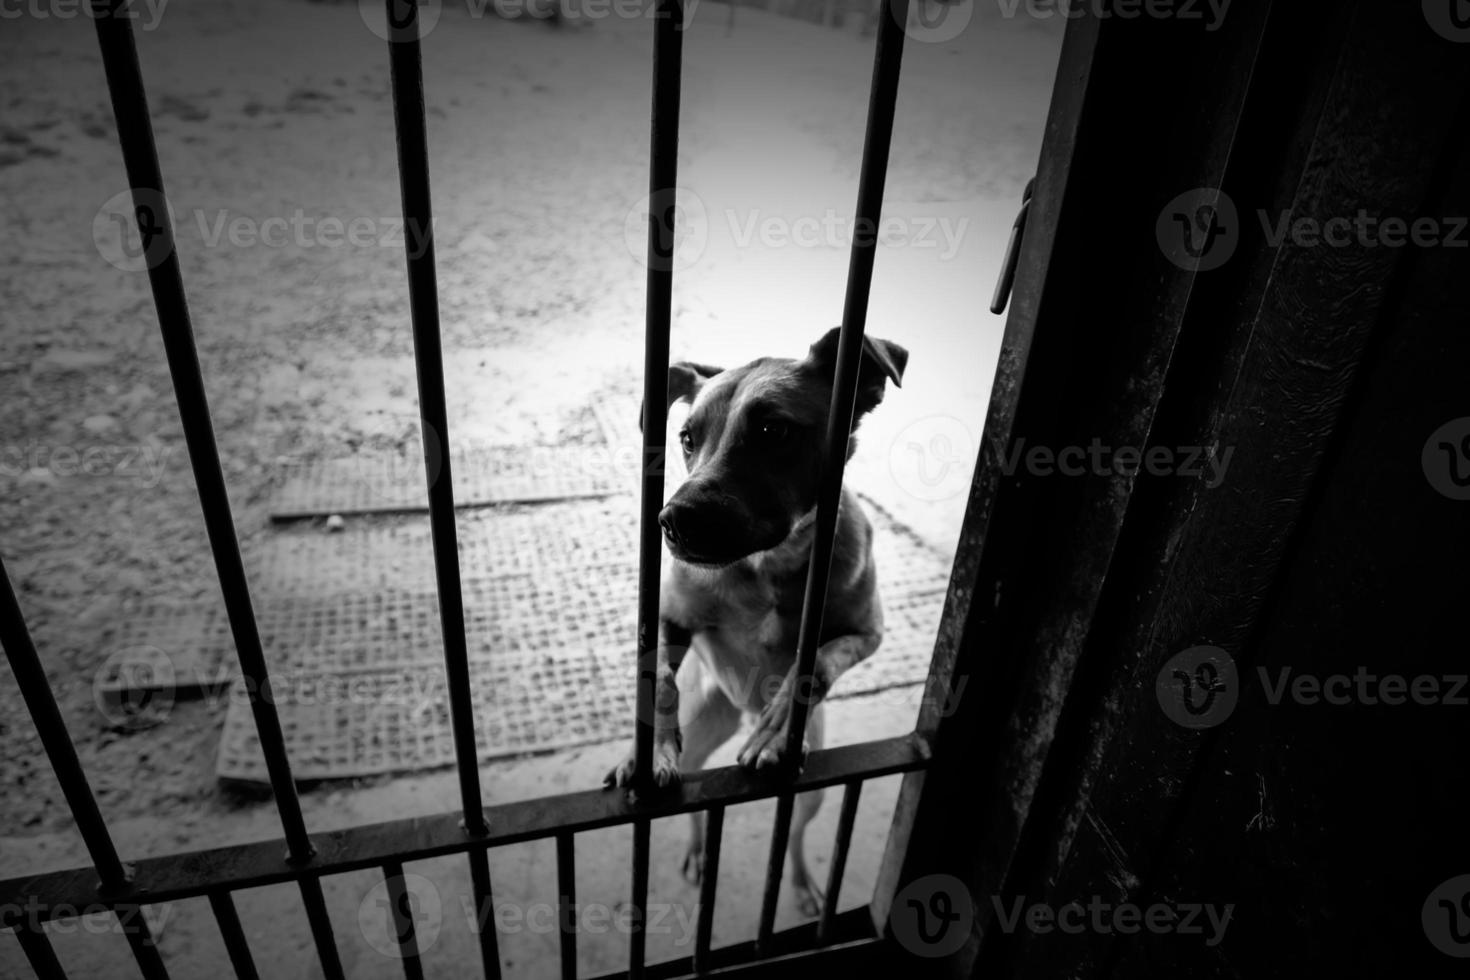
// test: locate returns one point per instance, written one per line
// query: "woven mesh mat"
(350, 623)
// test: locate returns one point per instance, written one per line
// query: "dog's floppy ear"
(883, 360)
(685, 377)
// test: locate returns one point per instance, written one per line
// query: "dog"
(739, 533)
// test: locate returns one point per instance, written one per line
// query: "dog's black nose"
(668, 520)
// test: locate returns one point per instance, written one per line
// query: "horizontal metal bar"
(177, 876)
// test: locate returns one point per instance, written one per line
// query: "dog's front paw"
(808, 900)
(665, 767)
(694, 864)
(767, 743)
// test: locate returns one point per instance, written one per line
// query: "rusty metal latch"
(1013, 253)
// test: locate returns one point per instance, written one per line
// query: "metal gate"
(305, 858)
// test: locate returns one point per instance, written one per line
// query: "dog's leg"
(673, 645)
(835, 657)
(707, 719)
(808, 895)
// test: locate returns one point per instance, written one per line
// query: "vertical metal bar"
(845, 821)
(485, 919)
(662, 188)
(140, 157)
(140, 938)
(400, 914)
(881, 103)
(30, 676)
(321, 928)
(638, 938)
(714, 830)
(25, 663)
(566, 903)
(230, 930)
(662, 183)
(409, 117)
(780, 834)
(40, 954)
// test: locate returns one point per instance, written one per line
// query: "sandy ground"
(279, 109)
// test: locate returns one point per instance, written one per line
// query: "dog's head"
(754, 443)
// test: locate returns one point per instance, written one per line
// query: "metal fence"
(125, 888)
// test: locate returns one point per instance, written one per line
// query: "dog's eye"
(686, 441)
(775, 431)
